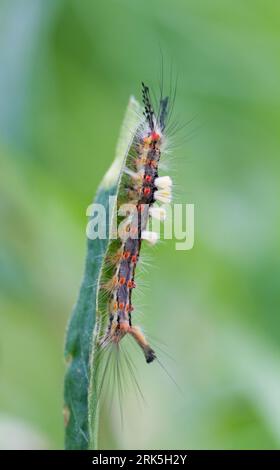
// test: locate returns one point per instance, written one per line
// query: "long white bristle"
(163, 195)
(163, 182)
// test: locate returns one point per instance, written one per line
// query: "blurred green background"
(67, 68)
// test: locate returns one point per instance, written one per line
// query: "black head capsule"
(150, 355)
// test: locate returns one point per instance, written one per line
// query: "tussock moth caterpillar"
(140, 188)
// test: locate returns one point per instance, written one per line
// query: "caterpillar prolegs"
(140, 195)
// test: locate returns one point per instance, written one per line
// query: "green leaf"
(81, 378)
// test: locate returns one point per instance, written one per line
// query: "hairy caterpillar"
(140, 188)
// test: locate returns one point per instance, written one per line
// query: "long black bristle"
(148, 113)
(163, 110)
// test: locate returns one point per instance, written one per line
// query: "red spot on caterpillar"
(148, 178)
(131, 284)
(155, 136)
(122, 280)
(134, 258)
(126, 254)
(147, 191)
(121, 305)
